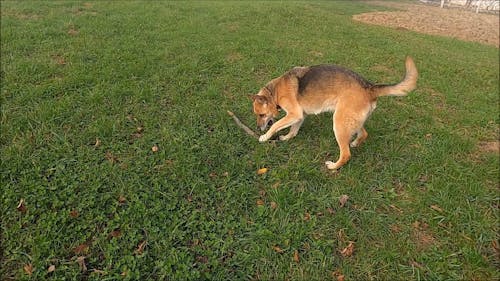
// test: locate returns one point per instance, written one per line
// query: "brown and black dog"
(325, 88)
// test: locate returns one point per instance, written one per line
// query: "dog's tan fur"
(326, 88)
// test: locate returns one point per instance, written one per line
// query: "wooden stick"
(243, 126)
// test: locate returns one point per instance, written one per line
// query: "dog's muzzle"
(269, 123)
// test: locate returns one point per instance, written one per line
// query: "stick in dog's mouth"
(243, 126)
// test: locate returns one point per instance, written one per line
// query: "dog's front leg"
(281, 124)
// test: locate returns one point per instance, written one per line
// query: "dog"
(325, 88)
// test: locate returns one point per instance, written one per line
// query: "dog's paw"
(284, 138)
(354, 144)
(263, 138)
(331, 165)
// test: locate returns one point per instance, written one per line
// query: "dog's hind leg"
(345, 125)
(360, 138)
(294, 129)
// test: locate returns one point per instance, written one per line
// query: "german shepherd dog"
(325, 88)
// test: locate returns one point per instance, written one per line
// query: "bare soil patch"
(489, 146)
(460, 24)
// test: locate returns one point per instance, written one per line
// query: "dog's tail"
(402, 88)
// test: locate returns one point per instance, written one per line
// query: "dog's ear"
(259, 99)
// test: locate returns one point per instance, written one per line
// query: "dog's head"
(265, 108)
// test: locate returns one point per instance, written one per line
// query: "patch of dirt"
(489, 146)
(460, 24)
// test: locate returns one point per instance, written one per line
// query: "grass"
(423, 195)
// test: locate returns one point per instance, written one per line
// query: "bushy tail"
(402, 88)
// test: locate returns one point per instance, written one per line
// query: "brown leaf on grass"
(347, 251)
(111, 158)
(494, 245)
(28, 268)
(123, 274)
(396, 208)
(51, 268)
(81, 262)
(73, 32)
(307, 216)
(21, 207)
(122, 199)
(261, 171)
(140, 248)
(296, 257)
(202, 259)
(416, 264)
(81, 249)
(395, 228)
(436, 208)
(260, 202)
(155, 148)
(115, 233)
(337, 274)
(343, 200)
(97, 142)
(331, 211)
(274, 205)
(59, 60)
(74, 213)
(277, 249)
(98, 271)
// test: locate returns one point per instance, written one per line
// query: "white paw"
(263, 138)
(284, 138)
(354, 144)
(330, 165)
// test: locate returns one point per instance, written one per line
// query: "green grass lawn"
(89, 88)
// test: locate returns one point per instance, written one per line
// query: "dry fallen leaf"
(51, 268)
(28, 268)
(277, 249)
(98, 271)
(155, 148)
(111, 158)
(73, 213)
(81, 262)
(21, 207)
(307, 216)
(73, 32)
(115, 233)
(436, 208)
(338, 275)
(274, 205)
(97, 142)
(347, 251)
(260, 202)
(80, 249)
(343, 199)
(140, 248)
(415, 264)
(296, 257)
(122, 199)
(261, 171)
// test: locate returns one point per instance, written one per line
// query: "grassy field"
(88, 89)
